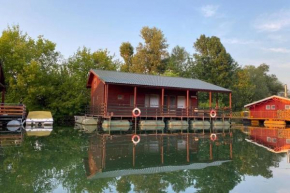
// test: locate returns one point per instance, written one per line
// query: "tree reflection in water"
(78, 162)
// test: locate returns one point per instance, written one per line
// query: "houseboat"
(273, 110)
(123, 96)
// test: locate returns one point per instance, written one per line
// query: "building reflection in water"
(274, 139)
(112, 156)
(11, 138)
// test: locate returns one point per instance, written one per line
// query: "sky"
(253, 32)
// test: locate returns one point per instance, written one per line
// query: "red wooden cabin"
(116, 94)
(272, 107)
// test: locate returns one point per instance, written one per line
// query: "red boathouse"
(270, 108)
(115, 94)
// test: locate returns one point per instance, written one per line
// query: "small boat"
(39, 121)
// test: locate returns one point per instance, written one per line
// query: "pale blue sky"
(253, 32)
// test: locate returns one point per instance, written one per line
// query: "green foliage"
(265, 84)
(150, 54)
(180, 62)
(213, 63)
(35, 76)
(126, 51)
(243, 89)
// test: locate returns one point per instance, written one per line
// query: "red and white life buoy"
(212, 113)
(213, 137)
(136, 112)
(135, 141)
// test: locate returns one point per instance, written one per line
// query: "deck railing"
(165, 111)
(12, 109)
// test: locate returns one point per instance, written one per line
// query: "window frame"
(268, 107)
(120, 97)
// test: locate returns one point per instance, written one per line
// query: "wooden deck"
(154, 112)
(283, 115)
(9, 111)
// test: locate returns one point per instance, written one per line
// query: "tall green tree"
(180, 62)
(151, 54)
(126, 51)
(265, 84)
(213, 63)
(243, 89)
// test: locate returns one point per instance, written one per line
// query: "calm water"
(69, 160)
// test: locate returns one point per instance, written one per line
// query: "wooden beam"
(230, 96)
(217, 100)
(3, 96)
(187, 102)
(162, 100)
(135, 96)
(209, 99)
(105, 99)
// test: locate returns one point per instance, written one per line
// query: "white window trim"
(273, 107)
(268, 107)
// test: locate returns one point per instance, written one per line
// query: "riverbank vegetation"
(39, 76)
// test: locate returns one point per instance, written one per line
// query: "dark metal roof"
(158, 81)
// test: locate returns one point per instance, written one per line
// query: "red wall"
(97, 91)
(127, 91)
(259, 110)
(260, 135)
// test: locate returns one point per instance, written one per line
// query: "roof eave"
(177, 88)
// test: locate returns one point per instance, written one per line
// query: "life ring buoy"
(134, 137)
(213, 137)
(136, 114)
(212, 113)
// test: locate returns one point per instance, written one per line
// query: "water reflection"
(274, 139)
(69, 161)
(11, 138)
(113, 156)
(85, 128)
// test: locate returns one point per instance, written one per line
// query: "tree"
(126, 51)
(243, 89)
(212, 62)
(74, 74)
(150, 55)
(28, 65)
(265, 85)
(180, 62)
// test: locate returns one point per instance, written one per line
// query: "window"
(287, 107)
(181, 102)
(268, 107)
(272, 107)
(120, 97)
(274, 140)
(269, 139)
(288, 141)
(152, 100)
